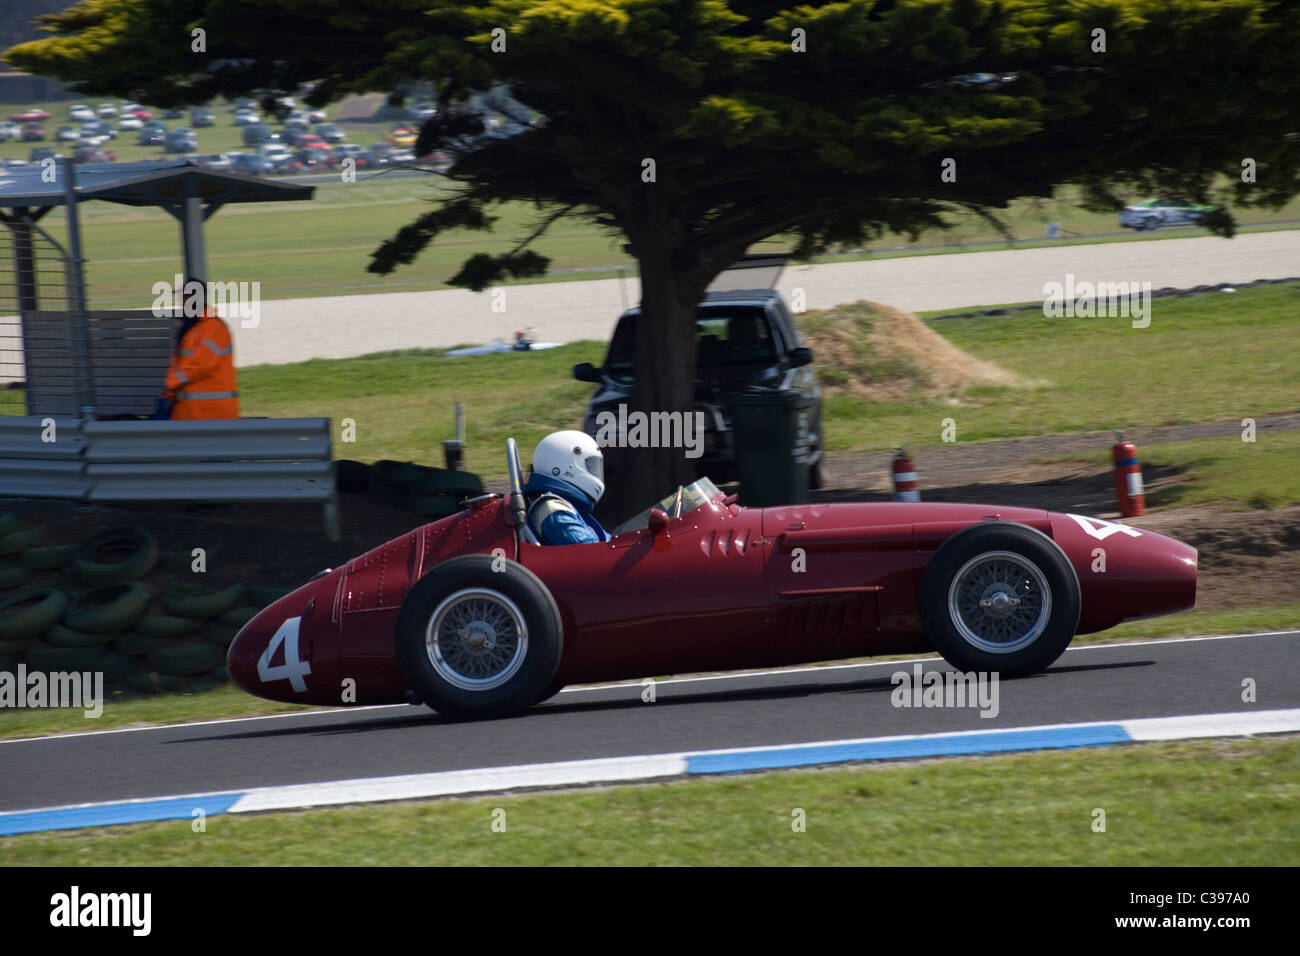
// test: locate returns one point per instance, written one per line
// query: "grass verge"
(1226, 803)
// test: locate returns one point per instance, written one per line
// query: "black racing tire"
(400, 474)
(53, 557)
(62, 636)
(351, 476)
(12, 575)
(188, 600)
(221, 634)
(48, 658)
(434, 506)
(552, 689)
(237, 617)
(29, 615)
(115, 607)
(116, 556)
(135, 644)
(1024, 570)
(265, 596)
(187, 660)
(510, 609)
(458, 484)
(15, 542)
(116, 667)
(164, 625)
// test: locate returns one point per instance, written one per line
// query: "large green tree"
(695, 128)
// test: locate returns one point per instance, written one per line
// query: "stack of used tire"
(97, 614)
(425, 491)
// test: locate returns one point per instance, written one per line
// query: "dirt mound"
(881, 353)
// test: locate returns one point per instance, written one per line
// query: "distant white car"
(130, 122)
(81, 113)
(245, 116)
(106, 110)
(1154, 213)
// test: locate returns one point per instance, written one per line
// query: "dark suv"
(745, 340)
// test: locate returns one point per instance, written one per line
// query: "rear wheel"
(477, 642)
(1000, 597)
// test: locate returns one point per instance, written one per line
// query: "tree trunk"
(665, 377)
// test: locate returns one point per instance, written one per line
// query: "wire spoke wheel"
(476, 639)
(999, 601)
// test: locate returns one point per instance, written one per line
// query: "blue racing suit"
(560, 513)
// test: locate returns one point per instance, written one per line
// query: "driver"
(567, 480)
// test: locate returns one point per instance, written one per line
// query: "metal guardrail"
(42, 456)
(248, 459)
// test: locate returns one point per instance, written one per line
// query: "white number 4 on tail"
(292, 669)
(1101, 529)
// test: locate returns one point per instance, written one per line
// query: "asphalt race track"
(1089, 683)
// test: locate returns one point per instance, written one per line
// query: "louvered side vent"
(725, 542)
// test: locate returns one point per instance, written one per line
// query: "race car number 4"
(293, 669)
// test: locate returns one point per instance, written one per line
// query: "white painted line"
(1242, 723)
(490, 779)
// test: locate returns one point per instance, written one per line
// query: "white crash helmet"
(572, 457)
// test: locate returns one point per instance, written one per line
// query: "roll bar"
(516, 498)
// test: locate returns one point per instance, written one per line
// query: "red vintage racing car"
(473, 618)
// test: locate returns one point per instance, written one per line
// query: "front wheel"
(477, 642)
(1000, 597)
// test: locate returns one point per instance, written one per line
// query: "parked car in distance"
(9, 130)
(43, 152)
(202, 116)
(1154, 213)
(249, 164)
(130, 123)
(151, 136)
(33, 115)
(315, 142)
(745, 340)
(247, 117)
(296, 120)
(93, 154)
(106, 111)
(380, 154)
(67, 134)
(354, 152)
(400, 156)
(174, 114)
(330, 133)
(180, 140)
(255, 135)
(402, 136)
(33, 133)
(312, 160)
(141, 113)
(218, 162)
(80, 112)
(99, 128)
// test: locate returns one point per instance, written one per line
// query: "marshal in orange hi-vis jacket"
(201, 378)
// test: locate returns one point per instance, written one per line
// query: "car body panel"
(722, 587)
